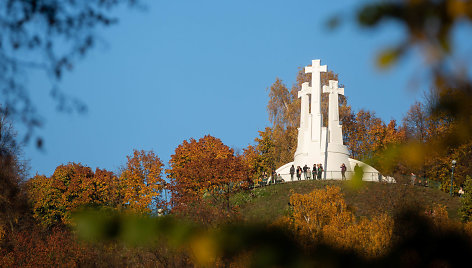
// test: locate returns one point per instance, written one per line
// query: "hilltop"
(266, 204)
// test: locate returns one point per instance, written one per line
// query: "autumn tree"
(367, 136)
(463, 155)
(13, 202)
(284, 113)
(426, 131)
(394, 134)
(387, 160)
(438, 155)
(141, 182)
(318, 209)
(71, 187)
(255, 163)
(323, 216)
(251, 161)
(430, 33)
(267, 150)
(104, 189)
(53, 248)
(465, 209)
(282, 106)
(205, 171)
(261, 158)
(415, 122)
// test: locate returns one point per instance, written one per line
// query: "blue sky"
(184, 69)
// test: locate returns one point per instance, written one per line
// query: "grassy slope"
(268, 203)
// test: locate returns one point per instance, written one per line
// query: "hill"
(266, 204)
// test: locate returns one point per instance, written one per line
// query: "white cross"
(305, 90)
(333, 88)
(316, 67)
(335, 130)
(305, 104)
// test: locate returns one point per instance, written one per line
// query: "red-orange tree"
(369, 138)
(141, 182)
(70, 187)
(55, 248)
(205, 171)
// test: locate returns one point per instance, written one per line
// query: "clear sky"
(184, 69)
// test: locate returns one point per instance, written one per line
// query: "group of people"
(272, 179)
(316, 172)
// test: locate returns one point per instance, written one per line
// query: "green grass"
(268, 203)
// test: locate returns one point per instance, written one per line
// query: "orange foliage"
(393, 134)
(371, 140)
(261, 158)
(323, 216)
(314, 211)
(73, 186)
(70, 187)
(251, 160)
(367, 136)
(141, 182)
(431, 147)
(104, 188)
(205, 168)
(468, 228)
(440, 218)
(34, 248)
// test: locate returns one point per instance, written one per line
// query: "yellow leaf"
(204, 249)
(387, 57)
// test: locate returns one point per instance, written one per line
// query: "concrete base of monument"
(336, 155)
(369, 173)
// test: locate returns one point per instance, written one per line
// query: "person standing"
(320, 171)
(292, 171)
(413, 178)
(358, 172)
(264, 179)
(274, 176)
(343, 171)
(315, 171)
(299, 172)
(305, 168)
(308, 173)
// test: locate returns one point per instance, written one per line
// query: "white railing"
(327, 175)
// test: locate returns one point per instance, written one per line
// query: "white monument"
(323, 145)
